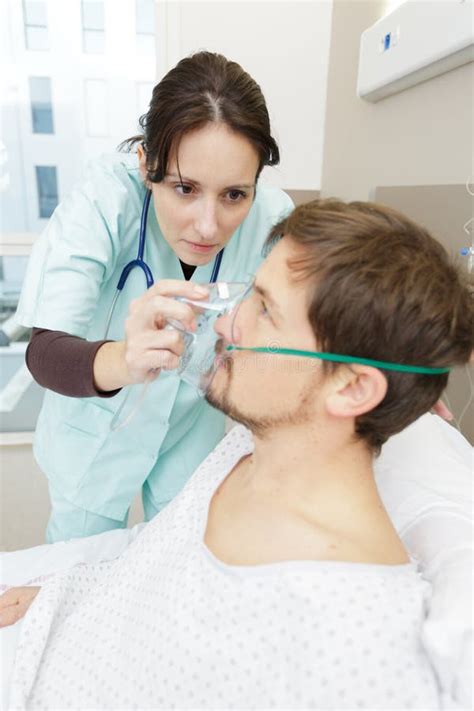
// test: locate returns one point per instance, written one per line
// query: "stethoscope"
(116, 422)
(140, 263)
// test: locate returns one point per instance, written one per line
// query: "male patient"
(276, 578)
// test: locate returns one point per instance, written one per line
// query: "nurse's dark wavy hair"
(383, 288)
(203, 88)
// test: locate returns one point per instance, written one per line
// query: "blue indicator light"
(386, 42)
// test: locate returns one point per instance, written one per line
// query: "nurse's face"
(200, 204)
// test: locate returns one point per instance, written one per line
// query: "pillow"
(424, 476)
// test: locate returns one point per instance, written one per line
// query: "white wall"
(419, 139)
(285, 47)
(421, 136)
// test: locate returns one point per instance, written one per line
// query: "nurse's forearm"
(64, 363)
(110, 370)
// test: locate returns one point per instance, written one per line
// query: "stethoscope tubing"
(140, 263)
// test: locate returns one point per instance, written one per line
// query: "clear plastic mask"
(197, 362)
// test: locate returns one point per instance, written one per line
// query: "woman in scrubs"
(206, 138)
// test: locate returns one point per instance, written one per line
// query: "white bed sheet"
(32, 565)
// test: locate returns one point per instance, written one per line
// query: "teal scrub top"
(69, 286)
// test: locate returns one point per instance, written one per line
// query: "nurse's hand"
(14, 604)
(149, 346)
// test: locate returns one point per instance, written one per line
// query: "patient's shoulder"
(376, 543)
(381, 553)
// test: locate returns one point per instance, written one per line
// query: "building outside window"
(47, 186)
(36, 25)
(44, 149)
(93, 26)
(145, 26)
(41, 105)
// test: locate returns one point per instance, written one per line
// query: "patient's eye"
(263, 311)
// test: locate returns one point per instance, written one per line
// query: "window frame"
(33, 25)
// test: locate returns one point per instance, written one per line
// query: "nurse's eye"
(236, 195)
(183, 189)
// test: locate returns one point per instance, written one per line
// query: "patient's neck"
(304, 464)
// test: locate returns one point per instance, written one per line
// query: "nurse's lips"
(200, 247)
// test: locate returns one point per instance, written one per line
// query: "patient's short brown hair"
(383, 289)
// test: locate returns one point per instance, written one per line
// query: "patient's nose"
(223, 327)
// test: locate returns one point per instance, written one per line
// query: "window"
(36, 24)
(41, 105)
(96, 106)
(93, 26)
(47, 185)
(145, 25)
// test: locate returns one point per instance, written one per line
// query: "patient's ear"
(354, 390)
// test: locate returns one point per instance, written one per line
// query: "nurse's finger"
(153, 361)
(176, 287)
(168, 360)
(157, 311)
(165, 339)
(152, 350)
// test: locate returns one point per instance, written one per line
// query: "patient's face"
(263, 390)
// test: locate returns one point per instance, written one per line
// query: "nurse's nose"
(206, 221)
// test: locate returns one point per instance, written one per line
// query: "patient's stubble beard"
(259, 425)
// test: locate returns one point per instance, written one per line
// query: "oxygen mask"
(197, 364)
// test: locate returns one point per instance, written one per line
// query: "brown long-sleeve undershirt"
(65, 363)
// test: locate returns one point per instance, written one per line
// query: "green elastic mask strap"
(345, 359)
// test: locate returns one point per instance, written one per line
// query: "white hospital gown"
(167, 625)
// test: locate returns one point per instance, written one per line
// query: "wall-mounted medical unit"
(418, 40)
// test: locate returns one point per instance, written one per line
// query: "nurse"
(206, 138)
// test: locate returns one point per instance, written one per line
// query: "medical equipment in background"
(469, 253)
(139, 263)
(415, 42)
(197, 362)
